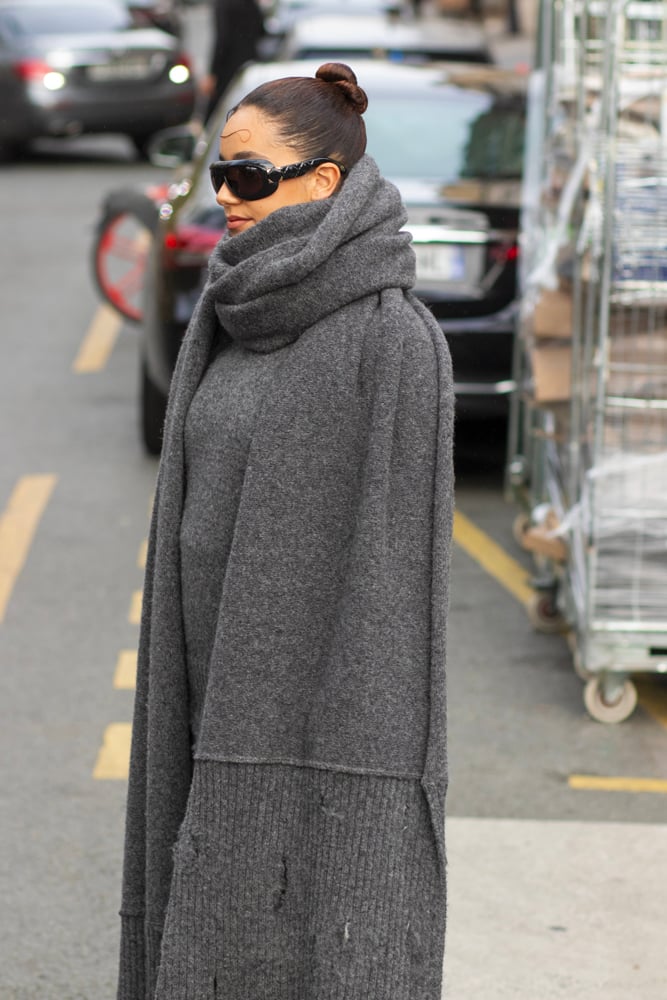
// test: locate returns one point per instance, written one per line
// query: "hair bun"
(345, 79)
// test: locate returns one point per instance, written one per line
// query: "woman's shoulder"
(400, 344)
(406, 323)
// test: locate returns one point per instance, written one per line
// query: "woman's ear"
(325, 180)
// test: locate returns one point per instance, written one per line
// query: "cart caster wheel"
(520, 526)
(579, 668)
(613, 707)
(544, 615)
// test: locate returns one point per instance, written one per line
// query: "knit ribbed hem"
(153, 939)
(139, 958)
(131, 975)
(296, 884)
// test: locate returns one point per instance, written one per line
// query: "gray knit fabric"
(326, 673)
(302, 885)
(218, 433)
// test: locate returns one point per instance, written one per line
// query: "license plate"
(123, 69)
(439, 262)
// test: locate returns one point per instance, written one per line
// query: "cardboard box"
(552, 372)
(543, 539)
(453, 7)
(553, 314)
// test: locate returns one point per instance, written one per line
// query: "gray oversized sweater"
(285, 817)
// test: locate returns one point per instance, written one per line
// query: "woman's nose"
(225, 197)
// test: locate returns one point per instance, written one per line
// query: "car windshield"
(450, 135)
(65, 19)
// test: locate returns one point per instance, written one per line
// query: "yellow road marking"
(113, 760)
(492, 558)
(511, 575)
(143, 551)
(125, 676)
(134, 615)
(592, 783)
(18, 525)
(98, 342)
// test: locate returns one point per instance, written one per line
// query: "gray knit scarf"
(330, 648)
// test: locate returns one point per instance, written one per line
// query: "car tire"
(153, 407)
(141, 144)
(11, 152)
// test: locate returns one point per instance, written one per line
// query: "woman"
(285, 820)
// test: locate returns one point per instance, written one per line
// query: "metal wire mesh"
(598, 217)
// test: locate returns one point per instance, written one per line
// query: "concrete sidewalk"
(553, 910)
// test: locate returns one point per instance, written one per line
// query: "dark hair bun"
(344, 78)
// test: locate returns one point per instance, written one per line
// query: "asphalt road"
(555, 891)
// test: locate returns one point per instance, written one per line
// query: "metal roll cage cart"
(587, 443)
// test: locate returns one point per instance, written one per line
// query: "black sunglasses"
(251, 180)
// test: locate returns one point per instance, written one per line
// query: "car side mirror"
(172, 147)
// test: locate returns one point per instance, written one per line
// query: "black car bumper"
(482, 350)
(68, 113)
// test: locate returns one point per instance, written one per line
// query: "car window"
(495, 146)
(454, 134)
(65, 19)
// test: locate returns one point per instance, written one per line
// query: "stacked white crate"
(588, 436)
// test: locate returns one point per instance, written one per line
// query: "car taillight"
(31, 69)
(184, 59)
(502, 253)
(38, 71)
(157, 192)
(189, 246)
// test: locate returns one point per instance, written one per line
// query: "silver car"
(73, 66)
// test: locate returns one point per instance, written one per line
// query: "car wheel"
(141, 144)
(120, 249)
(10, 152)
(153, 407)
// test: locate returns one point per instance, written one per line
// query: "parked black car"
(76, 66)
(451, 138)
